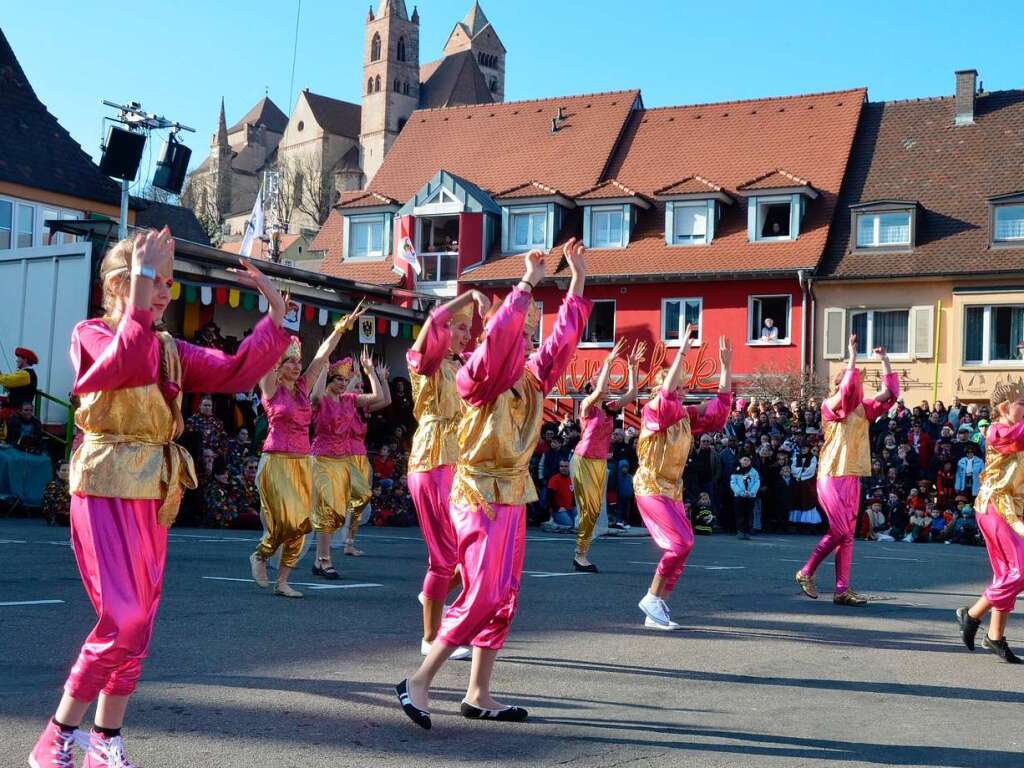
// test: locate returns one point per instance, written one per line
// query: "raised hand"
(152, 249)
(483, 304)
(383, 371)
(251, 277)
(366, 360)
(535, 267)
(881, 353)
(574, 251)
(347, 322)
(852, 346)
(616, 351)
(724, 351)
(690, 334)
(637, 355)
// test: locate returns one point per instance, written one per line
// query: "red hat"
(28, 354)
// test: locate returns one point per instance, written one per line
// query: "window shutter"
(794, 217)
(586, 226)
(345, 229)
(627, 224)
(549, 229)
(922, 324)
(669, 225)
(752, 219)
(710, 226)
(835, 330)
(506, 236)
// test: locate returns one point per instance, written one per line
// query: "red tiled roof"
(499, 146)
(774, 179)
(362, 199)
(261, 249)
(732, 142)
(329, 241)
(607, 190)
(911, 150)
(691, 185)
(529, 189)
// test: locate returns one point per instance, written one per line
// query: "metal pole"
(122, 224)
(935, 351)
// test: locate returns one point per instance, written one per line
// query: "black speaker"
(171, 167)
(122, 152)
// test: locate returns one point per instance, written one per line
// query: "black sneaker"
(1001, 649)
(507, 715)
(419, 716)
(968, 627)
(588, 568)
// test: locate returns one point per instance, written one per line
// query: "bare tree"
(288, 181)
(157, 195)
(307, 186)
(199, 195)
(771, 382)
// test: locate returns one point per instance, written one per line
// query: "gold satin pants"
(284, 481)
(340, 485)
(588, 479)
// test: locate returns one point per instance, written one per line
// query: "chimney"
(966, 80)
(561, 113)
(554, 124)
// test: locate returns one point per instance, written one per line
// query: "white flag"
(407, 253)
(255, 226)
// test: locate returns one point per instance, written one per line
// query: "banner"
(292, 318)
(367, 330)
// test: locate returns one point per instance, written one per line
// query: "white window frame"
(871, 344)
(986, 337)
(876, 229)
(780, 341)
(678, 342)
(350, 226)
(757, 218)
(529, 213)
(600, 344)
(995, 221)
(538, 334)
(709, 213)
(608, 210)
(38, 212)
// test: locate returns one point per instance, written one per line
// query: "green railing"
(69, 430)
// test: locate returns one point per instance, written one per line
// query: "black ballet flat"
(968, 627)
(591, 568)
(419, 716)
(328, 573)
(506, 715)
(1002, 650)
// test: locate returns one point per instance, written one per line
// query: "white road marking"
(548, 574)
(907, 559)
(702, 567)
(12, 541)
(33, 602)
(300, 583)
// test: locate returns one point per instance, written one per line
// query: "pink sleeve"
(662, 412)
(210, 370)
(851, 393)
(549, 362)
(1005, 438)
(873, 408)
(435, 345)
(716, 412)
(104, 359)
(497, 363)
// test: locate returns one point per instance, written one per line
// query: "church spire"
(221, 138)
(393, 8)
(475, 20)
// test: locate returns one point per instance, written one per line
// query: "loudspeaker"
(122, 152)
(171, 167)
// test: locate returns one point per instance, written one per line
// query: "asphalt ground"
(760, 676)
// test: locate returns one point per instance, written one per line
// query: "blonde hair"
(115, 274)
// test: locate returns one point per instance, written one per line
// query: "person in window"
(845, 458)
(24, 430)
(769, 332)
(668, 429)
(590, 455)
(504, 385)
(21, 384)
(998, 511)
(128, 473)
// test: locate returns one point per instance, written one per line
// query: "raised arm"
(105, 359)
(879, 404)
(851, 392)
(711, 415)
(497, 362)
(602, 378)
(14, 379)
(636, 357)
(323, 353)
(432, 343)
(675, 371)
(550, 360)
(383, 374)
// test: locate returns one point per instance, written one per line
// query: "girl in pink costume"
(128, 474)
(845, 458)
(434, 361)
(666, 435)
(504, 390)
(1000, 508)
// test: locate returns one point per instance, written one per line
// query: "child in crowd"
(703, 516)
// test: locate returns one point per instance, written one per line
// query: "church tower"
(476, 34)
(391, 80)
(220, 166)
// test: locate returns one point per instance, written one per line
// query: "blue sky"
(180, 58)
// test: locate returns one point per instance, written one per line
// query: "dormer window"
(606, 224)
(366, 237)
(529, 228)
(692, 210)
(609, 212)
(776, 204)
(531, 216)
(884, 224)
(1008, 219)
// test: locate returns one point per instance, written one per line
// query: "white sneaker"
(459, 654)
(656, 611)
(649, 623)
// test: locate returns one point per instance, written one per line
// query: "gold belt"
(181, 471)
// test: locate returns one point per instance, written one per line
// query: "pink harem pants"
(1006, 554)
(121, 549)
(430, 492)
(668, 525)
(491, 554)
(840, 498)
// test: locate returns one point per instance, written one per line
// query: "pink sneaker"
(55, 748)
(106, 753)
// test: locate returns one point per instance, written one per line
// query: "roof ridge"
(859, 89)
(948, 97)
(694, 177)
(330, 98)
(781, 172)
(500, 105)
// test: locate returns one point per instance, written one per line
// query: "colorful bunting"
(220, 295)
(234, 296)
(175, 291)
(191, 292)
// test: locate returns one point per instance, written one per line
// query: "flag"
(406, 253)
(255, 226)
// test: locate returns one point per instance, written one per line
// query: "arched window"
(401, 49)
(375, 47)
(369, 85)
(397, 86)
(405, 87)
(376, 84)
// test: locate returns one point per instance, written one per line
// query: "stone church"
(328, 146)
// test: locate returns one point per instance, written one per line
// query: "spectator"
(208, 426)
(745, 484)
(21, 384)
(768, 330)
(805, 506)
(561, 500)
(968, 471)
(703, 517)
(780, 500)
(57, 498)
(899, 519)
(384, 467)
(24, 430)
(246, 497)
